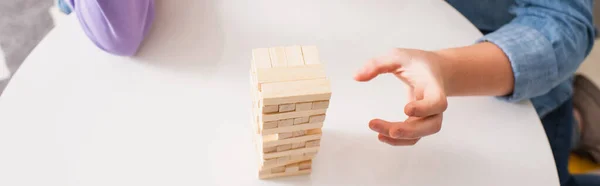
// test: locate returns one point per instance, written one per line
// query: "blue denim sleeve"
(545, 43)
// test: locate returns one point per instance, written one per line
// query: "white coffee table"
(179, 113)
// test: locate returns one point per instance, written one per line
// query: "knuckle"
(406, 132)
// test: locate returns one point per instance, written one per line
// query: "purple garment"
(115, 26)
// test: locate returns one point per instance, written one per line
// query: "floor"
(23, 24)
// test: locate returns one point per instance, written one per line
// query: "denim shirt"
(545, 41)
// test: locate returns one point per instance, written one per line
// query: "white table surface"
(179, 113)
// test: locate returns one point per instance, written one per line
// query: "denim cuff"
(532, 60)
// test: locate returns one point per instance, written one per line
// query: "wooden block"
(312, 143)
(291, 129)
(261, 58)
(264, 171)
(295, 114)
(298, 133)
(281, 74)
(290, 152)
(295, 158)
(293, 55)
(310, 154)
(278, 169)
(284, 174)
(295, 91)
(320, 105)
(303, 106)
(282, 160)
(270, 124)
(301, 120)
(270, 162)
(292, 168)
(284, 135)
(272, 141)
(311, 55)
(298, 145)
(317, 118)
(278, 57)
(269, 149)
(285, 122)
(305, 165)
(287, 107)
(270, 109)
(284, 147)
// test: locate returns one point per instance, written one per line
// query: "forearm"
(477, 70)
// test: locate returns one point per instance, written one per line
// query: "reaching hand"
(422, 72)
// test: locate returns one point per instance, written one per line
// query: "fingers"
(433, 102)
(397, 142)
(380, 126)
(414, 128)
(375, 67)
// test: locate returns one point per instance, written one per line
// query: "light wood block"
(282, 74)
(284, 174)
(270, 125)
(295, 91)
(310, 154)
(287, 107)
(283, 159)
(292, 168)
(269, 149)
(301, 120)
(311, 55)
(270, 109)
(261, 58)
(312, 143)
(298, 145)
(294, 56)
(317, 118)
(278, 57)
(270, 162)
(296, 157)
(305, 165)
(303, 106)
(291, 129)
(288, 115)
(285, 122)
(290, 152)
(284, 135)
(272, 141)
(278, 169)
(320, 105)
(298, 133)
(284, 147)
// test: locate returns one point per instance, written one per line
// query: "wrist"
(447, 63)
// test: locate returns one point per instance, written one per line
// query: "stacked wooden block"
(291, 95)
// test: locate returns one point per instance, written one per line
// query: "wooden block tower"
(290, 98)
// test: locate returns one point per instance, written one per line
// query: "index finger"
(377, 66)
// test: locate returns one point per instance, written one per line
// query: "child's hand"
(422, 71)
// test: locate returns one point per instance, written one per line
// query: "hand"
(422, 72)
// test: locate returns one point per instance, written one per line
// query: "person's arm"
(545, 44)
(115, 26)
(539, 49)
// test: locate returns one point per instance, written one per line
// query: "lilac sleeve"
(115, 26)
